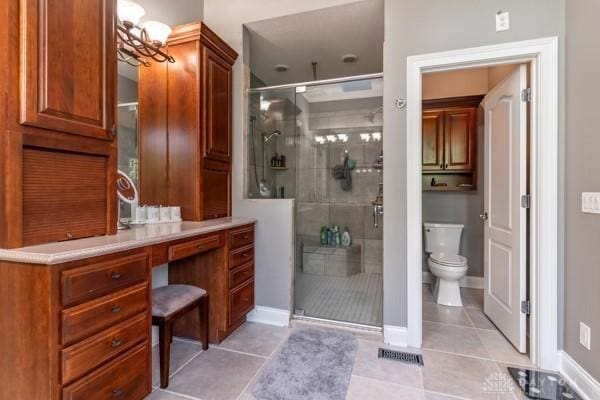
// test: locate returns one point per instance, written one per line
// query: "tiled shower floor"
(357, 298)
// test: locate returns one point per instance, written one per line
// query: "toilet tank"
(442, 238)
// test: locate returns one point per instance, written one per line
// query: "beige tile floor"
(463, 352)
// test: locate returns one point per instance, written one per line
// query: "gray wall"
(417, 27)
(127, 90)
(582, 268)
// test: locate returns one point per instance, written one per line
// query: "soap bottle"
(324, 230)
(329, 236)
(346, 239)
(336, 235)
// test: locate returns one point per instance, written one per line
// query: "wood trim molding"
(200, 31)
(463, 101)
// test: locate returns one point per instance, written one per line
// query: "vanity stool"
(169, 303)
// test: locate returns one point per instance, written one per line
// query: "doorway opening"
(475, 131)
(541, 56)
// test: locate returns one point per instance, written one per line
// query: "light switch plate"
(585, 336)
(590, 202)
(502, 21)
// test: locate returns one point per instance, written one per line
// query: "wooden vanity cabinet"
(191, 140)
(58, 154)
(78, 330)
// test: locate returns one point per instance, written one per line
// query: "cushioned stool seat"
(169, 299)
(169, 303)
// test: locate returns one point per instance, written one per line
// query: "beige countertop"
(60, 252)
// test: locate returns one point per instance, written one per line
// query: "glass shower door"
(339, 175)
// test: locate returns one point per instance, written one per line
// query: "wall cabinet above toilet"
(449, 143)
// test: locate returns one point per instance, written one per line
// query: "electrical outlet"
(502, 21)
(585, 336)
(590, 202)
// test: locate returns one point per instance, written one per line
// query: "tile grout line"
(418, 389)
(219, 347)
(186, 363)
(185, 396)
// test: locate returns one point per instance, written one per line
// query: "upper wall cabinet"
(68, 61)
(449, 143)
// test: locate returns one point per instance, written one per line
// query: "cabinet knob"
(246, 236)
(116, 276)
(69, 235)
(116, 342)
(117, 392)
(115, 309)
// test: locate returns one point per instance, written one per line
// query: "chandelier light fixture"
(136, 44)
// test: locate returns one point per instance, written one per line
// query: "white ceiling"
(171, 12)
(323, 36)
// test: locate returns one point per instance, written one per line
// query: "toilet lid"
(452, 260)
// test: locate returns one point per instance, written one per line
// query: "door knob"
(483, 216)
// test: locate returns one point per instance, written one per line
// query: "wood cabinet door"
(68, 66)
(433, 140)
(216, 85)
(459, 139)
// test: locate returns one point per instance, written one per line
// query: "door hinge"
(526, 307)
(526, 201)
(526, 95)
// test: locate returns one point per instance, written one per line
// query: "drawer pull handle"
(116, 342)
(117, 392)
(246, 236)
(69, 236)
(116, 276)
(244, 255)
(115, 309)
(245, 299)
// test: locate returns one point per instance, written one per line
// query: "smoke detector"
(349, 58)
(281, 67)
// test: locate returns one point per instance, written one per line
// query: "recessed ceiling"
(172, 13)
(324, 36)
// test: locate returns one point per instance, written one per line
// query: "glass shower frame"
(292, 123)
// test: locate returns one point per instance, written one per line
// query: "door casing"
(542, 55)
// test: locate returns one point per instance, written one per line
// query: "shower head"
(275, 133)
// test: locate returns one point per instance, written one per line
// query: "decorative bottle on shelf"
(346, 239)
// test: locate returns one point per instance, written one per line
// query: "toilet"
(442, 243)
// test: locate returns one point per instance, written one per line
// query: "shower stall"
(321, 143)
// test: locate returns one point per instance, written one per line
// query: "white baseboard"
(269, 316)
(395, 335)
(578, 378)
(473, 282)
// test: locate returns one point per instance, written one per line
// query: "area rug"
(312, 364)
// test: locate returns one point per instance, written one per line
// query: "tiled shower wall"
(320, 200)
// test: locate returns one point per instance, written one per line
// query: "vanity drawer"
(241, 301)
(241, 256)
(91, 281)
(125, 378)
(241, 274)
(88, 318)
(84, 356)
(193, 247)
(241, 237)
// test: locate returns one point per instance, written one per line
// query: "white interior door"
(506, 225)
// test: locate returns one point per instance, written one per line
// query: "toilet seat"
(448, 260)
